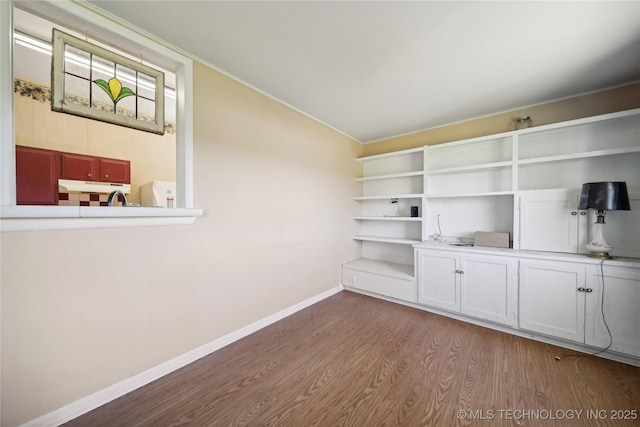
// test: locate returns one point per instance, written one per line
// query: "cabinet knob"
(583, 213)
(581, 289)
(459, 271)
(588, 290)
(574, 213)
(89, 174)
(106, 175)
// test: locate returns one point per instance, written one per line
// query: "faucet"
(112, 196)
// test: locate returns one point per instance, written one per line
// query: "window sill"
(24, 218)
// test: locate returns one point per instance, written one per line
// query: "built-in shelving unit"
(391, 184)
(522, 182)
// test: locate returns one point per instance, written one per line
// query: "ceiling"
(374, 70)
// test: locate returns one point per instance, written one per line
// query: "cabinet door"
(115, 170)
(487, 288)
(438, 284)
(80, 167)
(621, 294)
(549, 220)
(36, 176)
(550, 301)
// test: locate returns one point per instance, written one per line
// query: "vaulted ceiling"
(379, 69)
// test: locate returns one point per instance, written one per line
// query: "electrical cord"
(604, 320)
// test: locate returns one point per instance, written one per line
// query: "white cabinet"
(567, 300)
(618, 303)
(551, 298)
(380, 277)
(550, 221)
(438, 279)
(481, 286)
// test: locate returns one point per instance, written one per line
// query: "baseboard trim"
(99, 398)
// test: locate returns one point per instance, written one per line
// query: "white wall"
(84, 309)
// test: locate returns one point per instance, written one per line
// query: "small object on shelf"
(414, 211)
(523, 123)
(496, 240)
(603, 197)
(169, 199)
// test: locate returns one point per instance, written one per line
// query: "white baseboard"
(99, 398)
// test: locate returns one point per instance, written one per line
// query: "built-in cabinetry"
(568, 300)
(477, 285)
(38, 171)
(91, 168)
(551, 297)
(525, 183)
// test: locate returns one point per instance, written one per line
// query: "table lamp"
(603, 197)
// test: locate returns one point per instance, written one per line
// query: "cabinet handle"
(574, 213)
(588, 290)
(581, 289)
(583, 213)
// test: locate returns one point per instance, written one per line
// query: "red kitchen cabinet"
(37, 172)
(115, 170)
(80, 167)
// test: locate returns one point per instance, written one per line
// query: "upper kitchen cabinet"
(37, 173)
(91, 168)
(115, 170)
(80, 167)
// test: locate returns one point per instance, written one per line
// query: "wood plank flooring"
(353, 360)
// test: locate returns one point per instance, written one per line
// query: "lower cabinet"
(380, 277)
(481, 286)
(616, 301)
(567, 298)
(552, 298)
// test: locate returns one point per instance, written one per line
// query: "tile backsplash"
(85, 199)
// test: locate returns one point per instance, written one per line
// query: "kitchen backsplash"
(85, 199)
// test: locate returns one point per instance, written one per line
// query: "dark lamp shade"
(604, 196)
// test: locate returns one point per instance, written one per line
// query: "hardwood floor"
(352, 360)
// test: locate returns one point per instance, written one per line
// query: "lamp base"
(600, 255)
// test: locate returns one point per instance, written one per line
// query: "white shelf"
(383, 268)
(583, 155)
(459, 195)
(470, 168)
(392, 154)
(388, 218)
(391, 196)
(386, 239)
(390, 176)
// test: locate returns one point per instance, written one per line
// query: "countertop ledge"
(555, 256)
(23, 218)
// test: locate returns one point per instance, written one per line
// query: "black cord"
(602, 312)
(604, 320)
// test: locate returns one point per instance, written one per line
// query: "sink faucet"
(112, 196)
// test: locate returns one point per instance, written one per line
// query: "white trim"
(7, 150)
(106, 395)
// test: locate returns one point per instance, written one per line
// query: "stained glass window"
(93, 82)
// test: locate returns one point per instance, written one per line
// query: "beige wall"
(84, 309)
(153, 157)
(619, 99)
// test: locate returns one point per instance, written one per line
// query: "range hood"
(73, 186)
